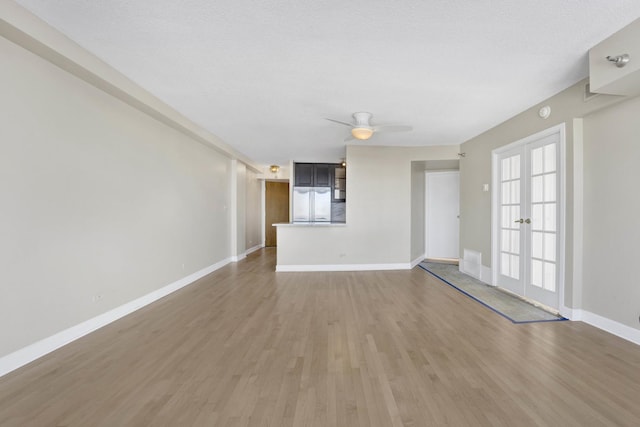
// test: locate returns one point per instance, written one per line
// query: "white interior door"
(442, 208)
(528, 209)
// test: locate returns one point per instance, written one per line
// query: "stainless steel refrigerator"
(311, 204)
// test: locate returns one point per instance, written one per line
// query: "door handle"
(528, 221)
(519, 220)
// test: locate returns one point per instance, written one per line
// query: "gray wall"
(253, 203)
(568, 107)
(475, 167)
(238, 208)
(611, 207)
(417, 209)
(97, 198)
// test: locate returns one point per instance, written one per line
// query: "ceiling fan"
(363, 129)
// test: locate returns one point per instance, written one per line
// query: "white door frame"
(561, 131)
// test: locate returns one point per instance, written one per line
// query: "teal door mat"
(505, 304)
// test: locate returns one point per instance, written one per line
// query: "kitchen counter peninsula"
(333, 246)
(310, 246)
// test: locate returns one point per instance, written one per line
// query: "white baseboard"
(570, 313)
(417, 261)
(236, 258)
(253, 249)
(38, 349)
(344, 267)
(623, 331)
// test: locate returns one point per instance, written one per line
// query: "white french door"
(528, 211)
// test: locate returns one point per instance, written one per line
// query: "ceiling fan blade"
(340, 122)
(392, 128)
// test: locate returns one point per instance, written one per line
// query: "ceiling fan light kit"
(361, 133)
(362, 128)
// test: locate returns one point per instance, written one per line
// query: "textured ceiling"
(263, 74)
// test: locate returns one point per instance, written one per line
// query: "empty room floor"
(246, 346)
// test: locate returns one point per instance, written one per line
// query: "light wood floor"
(247, 346)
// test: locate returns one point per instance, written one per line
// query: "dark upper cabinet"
(313, 174)
(304, 175)
(322, 175)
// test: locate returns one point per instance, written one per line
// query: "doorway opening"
(276, 209)
(420, 210)
(442, 216)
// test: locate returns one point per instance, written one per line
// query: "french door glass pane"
(537, 239)
(510, 241)
(515, 191)
(550, 187)
(515, 167)
(549, 246)
(550, 217)
(506, 216)
(506, 193)
(550, 276)
(504, 264)
(536, 273)
(536, 161)
(506, 169)
(537, 189)
(550, 158)
(515, 241)
(515, 267)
